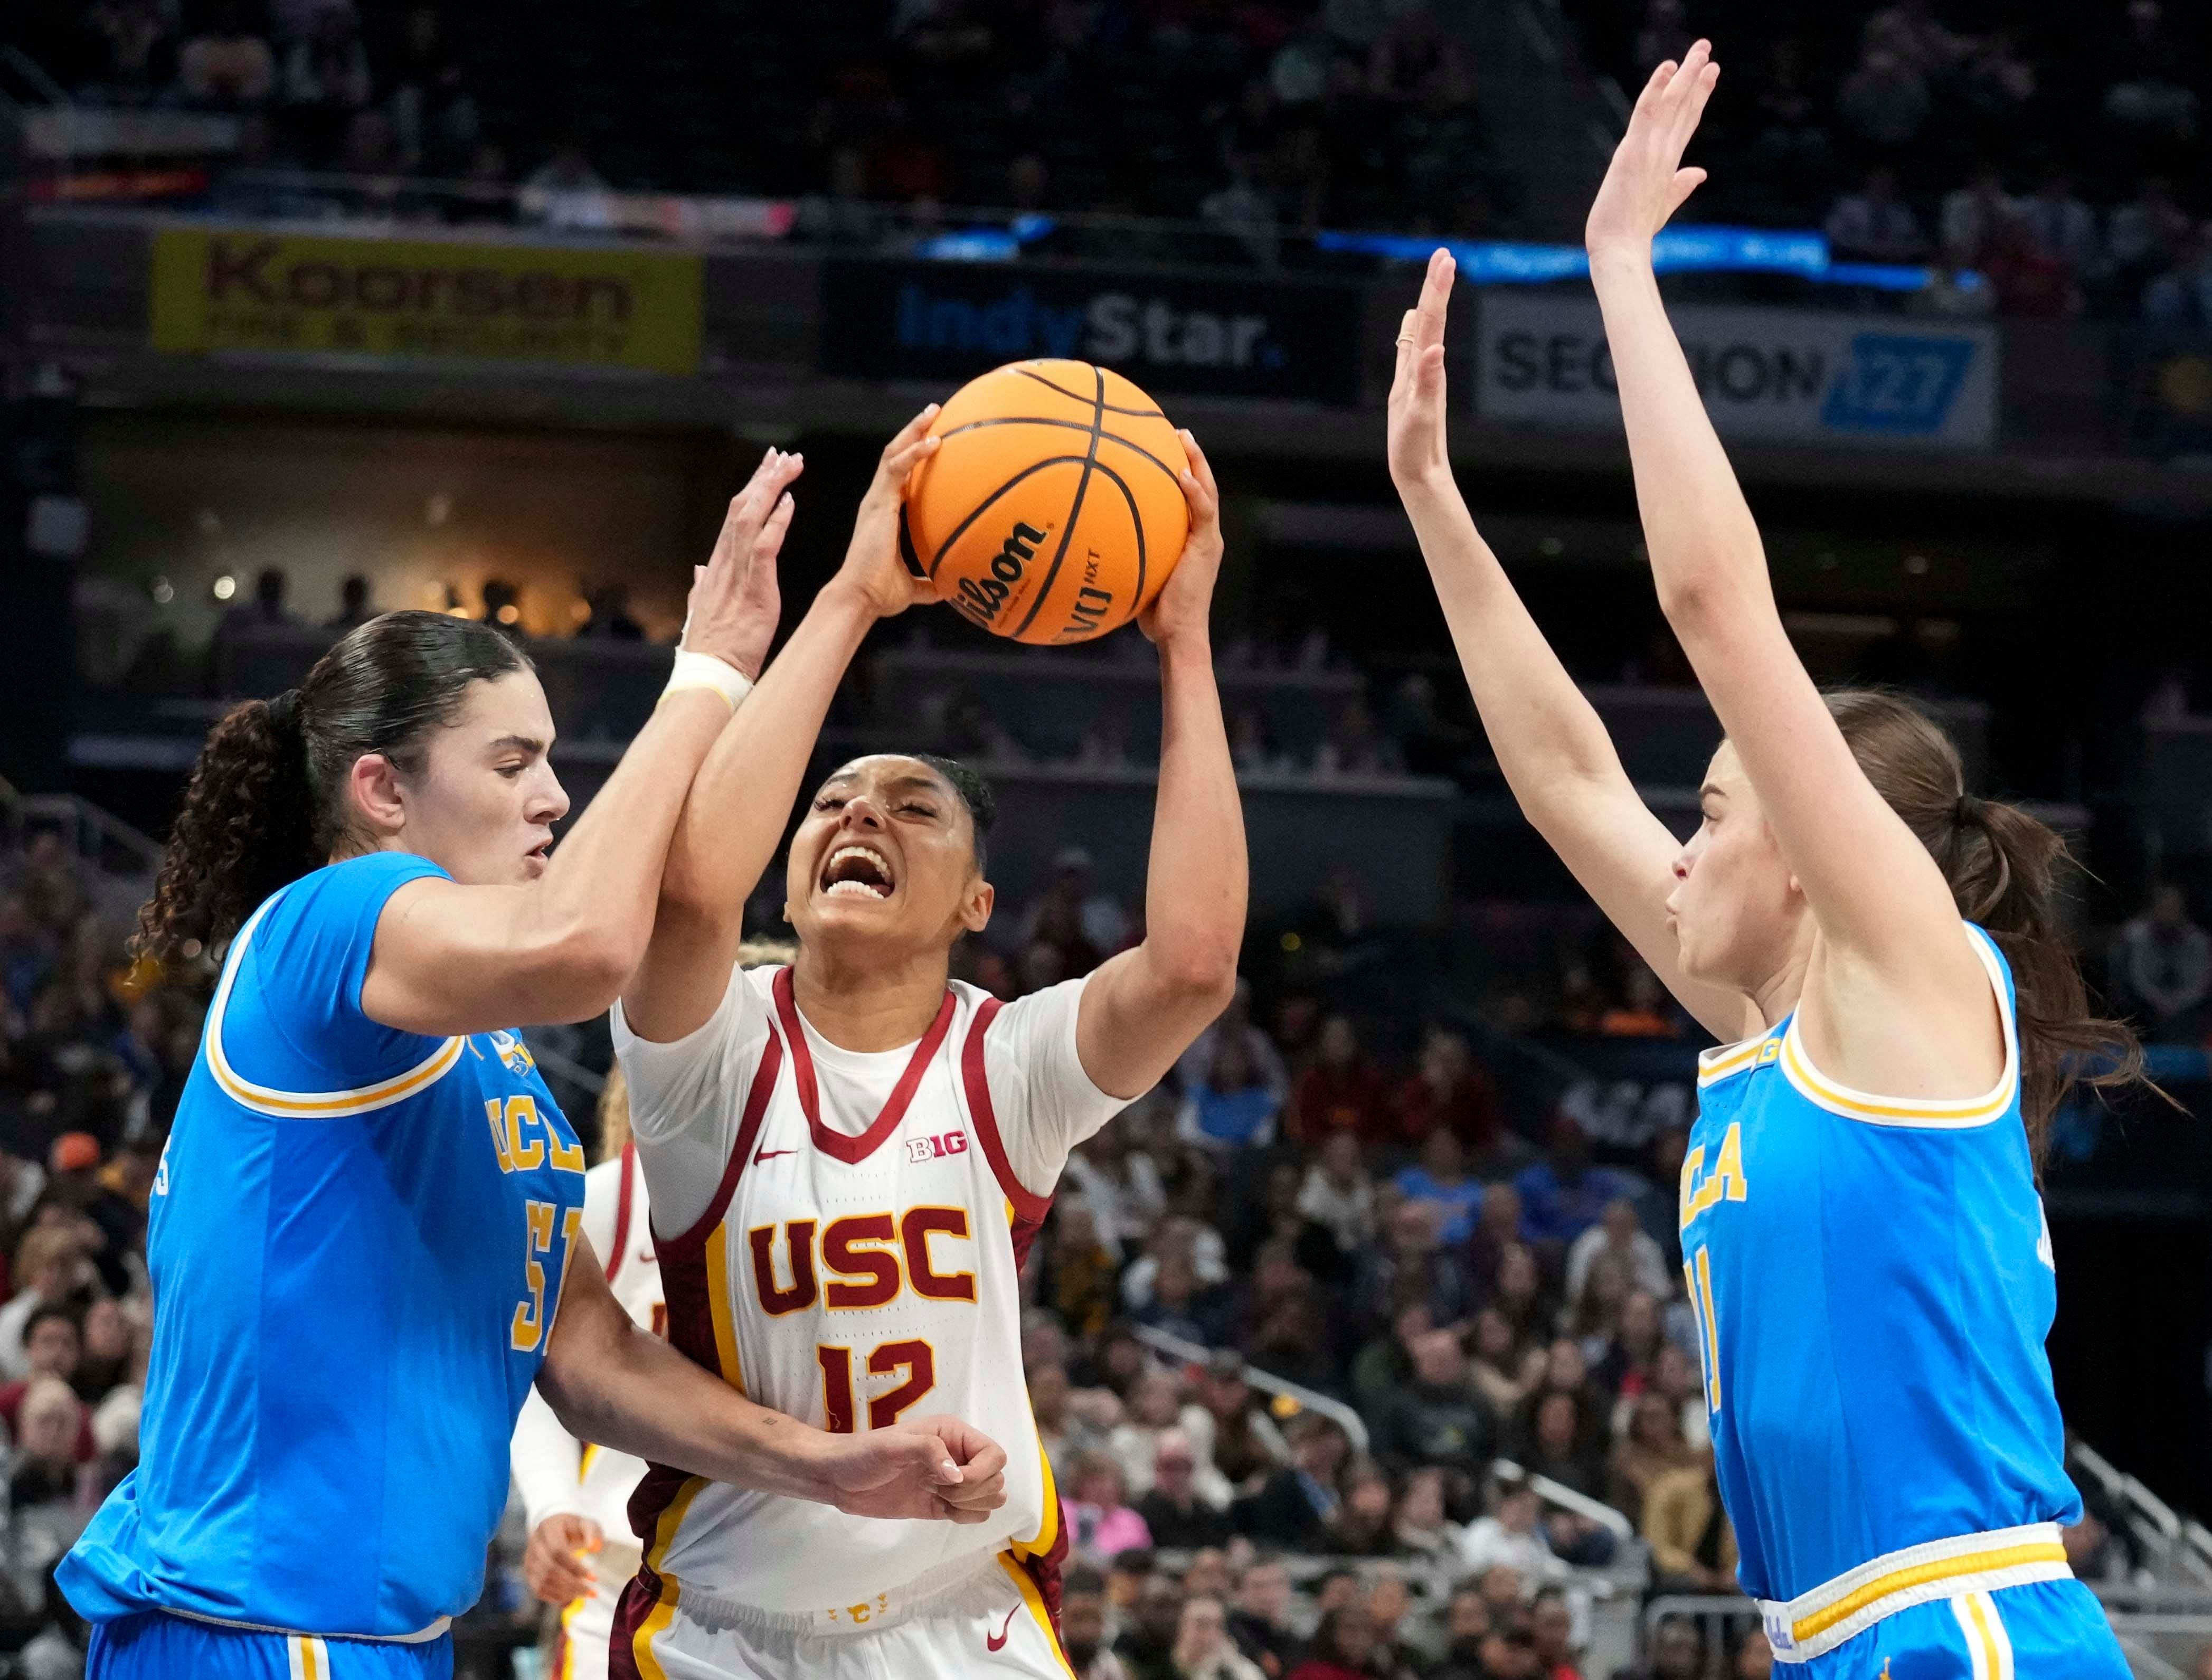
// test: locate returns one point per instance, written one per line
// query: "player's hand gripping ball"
(1052, 511)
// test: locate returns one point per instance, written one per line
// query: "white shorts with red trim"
(993, 1622)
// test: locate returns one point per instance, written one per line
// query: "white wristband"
(706, 671)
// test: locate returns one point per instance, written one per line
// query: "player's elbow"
(588, 966)
(1198, 973)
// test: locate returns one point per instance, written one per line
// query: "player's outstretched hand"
(1417, 448)
(872, 562)
(553, 1565)
(1646, 183)
(1184, 605)
(933, 1467)
(734, 599)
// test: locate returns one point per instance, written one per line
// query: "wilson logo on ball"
(988, 595)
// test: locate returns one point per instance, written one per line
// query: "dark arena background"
(308, 311)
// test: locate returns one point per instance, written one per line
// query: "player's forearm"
(734, 817)
(635, 1394)
(1196, 882)
(1704, 546)
(1546, 734)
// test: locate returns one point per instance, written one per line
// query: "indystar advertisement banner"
(227, 290)
(1788, 376)
(944, 321)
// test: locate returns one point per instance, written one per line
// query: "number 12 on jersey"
(1698, 1272)
(915, 1358)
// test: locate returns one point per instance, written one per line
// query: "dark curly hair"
(267, 800)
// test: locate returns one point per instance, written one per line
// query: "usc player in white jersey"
(575, 1496)
(848, 1157)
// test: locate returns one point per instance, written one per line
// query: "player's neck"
(868, 1001)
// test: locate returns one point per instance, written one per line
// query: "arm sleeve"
(687, 1099)
(1045, 1102)
(547, 1462)
(291, 1018)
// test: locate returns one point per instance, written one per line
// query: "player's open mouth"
(858, 871)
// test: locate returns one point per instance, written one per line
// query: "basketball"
(1051, 512)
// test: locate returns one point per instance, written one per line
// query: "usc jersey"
(840, 1236)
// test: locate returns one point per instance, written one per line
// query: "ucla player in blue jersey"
(364, 1230)
(1867, 1257)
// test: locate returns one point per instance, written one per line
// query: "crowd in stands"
(2054, 151)
(1271, 114)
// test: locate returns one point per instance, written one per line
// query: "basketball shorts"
(155, 1647)
(998, 1620)
(2043, 1630)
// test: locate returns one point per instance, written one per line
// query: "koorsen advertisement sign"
(950, 322)
(1780, 374)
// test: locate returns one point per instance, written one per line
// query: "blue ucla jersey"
(1873, 1282)
(358, 1237)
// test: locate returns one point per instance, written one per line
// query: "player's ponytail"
(268, 798)
(2003, 866)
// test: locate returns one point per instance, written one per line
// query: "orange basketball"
(1052, 512)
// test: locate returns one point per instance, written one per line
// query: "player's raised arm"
(1142, 1010)
(733, 819)
(1883, 907)
(452, 959)
(1550, 743)
(611, 1381)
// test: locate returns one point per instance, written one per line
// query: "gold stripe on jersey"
(672, 1519)
(718, 1306)
(1049, 1530)
(1034, 1600)
(657, 1620)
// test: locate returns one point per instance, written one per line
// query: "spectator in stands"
(607, 616)
(433, 112)
(1621, 1234)
(1467, 1625)
(1356, 746)
(2182, 296)
(1175, 1514)
(2029, 281)
(108, 1351)
(326, 79)
(1390, 1611)
(1438, 1417)
(1231, 1430)
(1341, 1091)
(226, 66)
(1074, 902)
(1678, 1653)
(1653, 1447)
(1061, 1429)
(1203, 1649)
(354, 607)
(565, 192)
(1971, 215)
(1505, 1368)
(2064, 228)
(1563, 1195)
(1561, 1438)
(266, 611)
(1512, 1534)
(1232, 1107)
(1154, 1407)
(1361, 1525)
(1295, 1503)
(48, 1470)
(2145, 236)
(1338, 1196)
(1420, 1522)
(1409, 1265)
(2161, 967)
(1440, 1179)
(135, 57)
(1236, 1023)
(1147, 1647)
(1692, 1545)
(1874, 225)
(1083, 1626)
(1343, 1647)
(1450, 1090)
(1260, 1620)
(1884, 102)
(1644, 1010)
(1552, 1626)
(1101, 1521)
(50, 1271)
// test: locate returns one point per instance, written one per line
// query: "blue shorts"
(173, 1647)
(2045, 1630)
